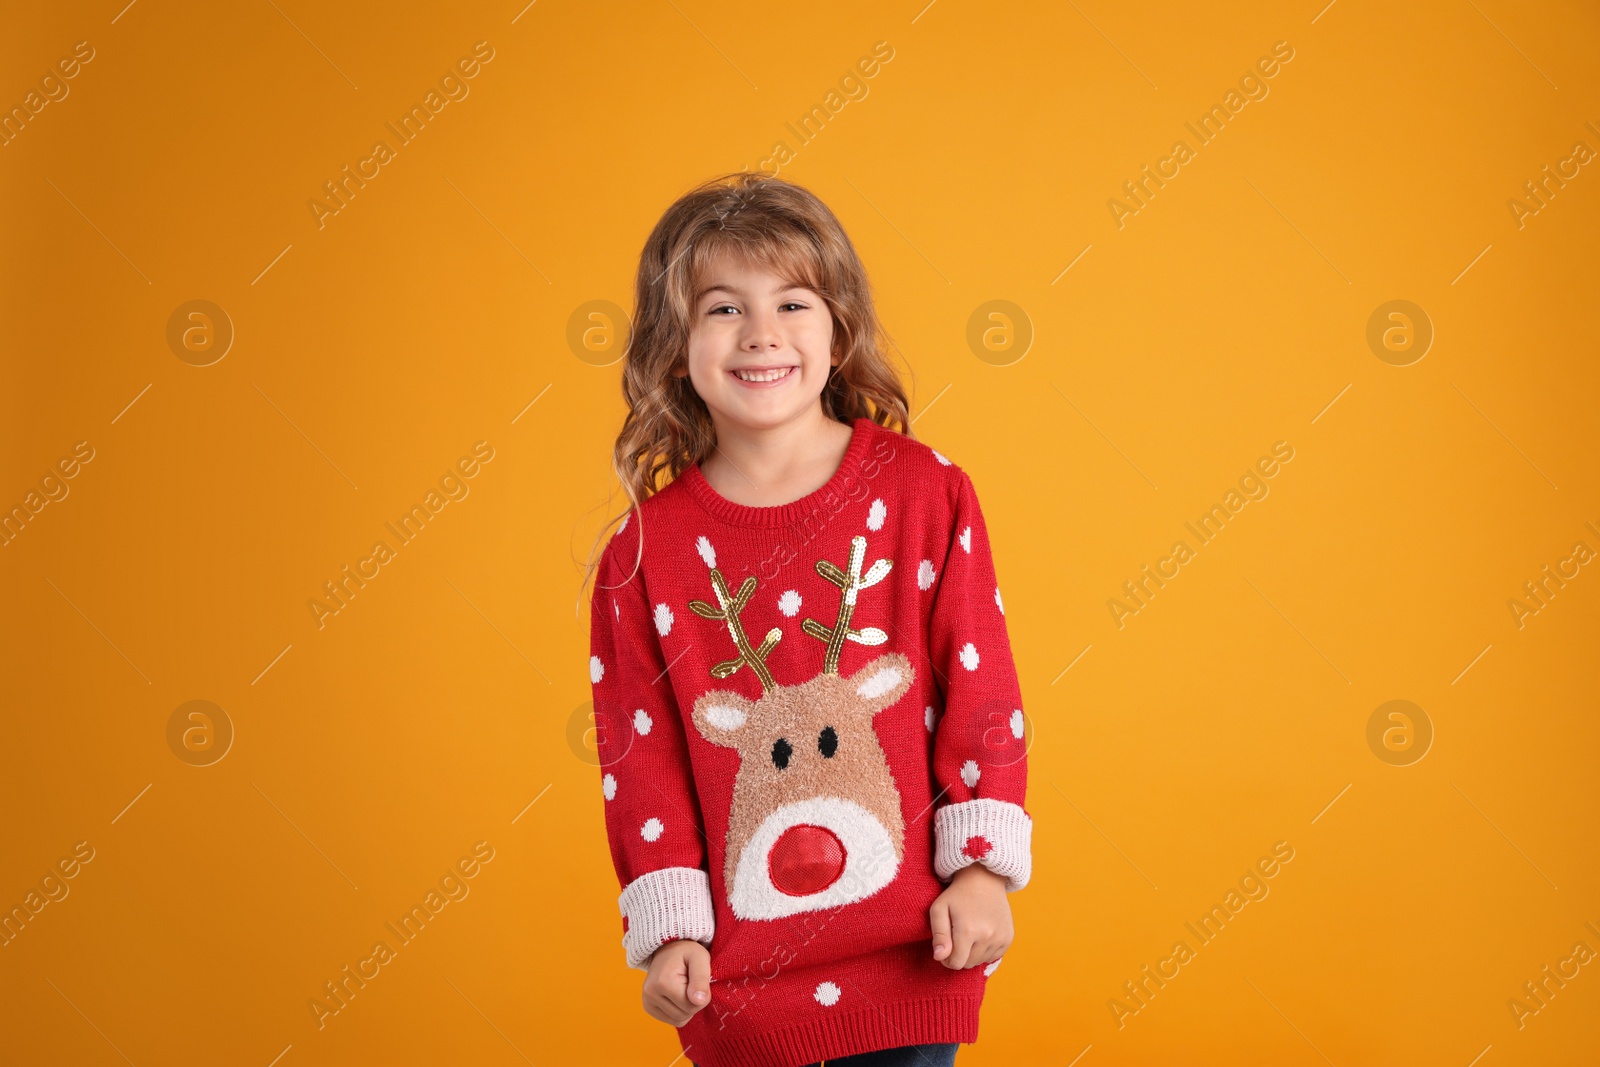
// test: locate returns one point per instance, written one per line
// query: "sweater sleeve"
(652, 814)
(979, 753)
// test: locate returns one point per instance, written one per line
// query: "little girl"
(808, 719)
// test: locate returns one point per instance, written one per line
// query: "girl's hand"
(678, 983)
(971, 919)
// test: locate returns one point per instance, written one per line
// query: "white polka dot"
(966, 539)
(827, 994)
(969, 656)
(1016, 723)
(970, 772)
(876, 514)
(663, 620)
(789, 602)
(608, 786)
(597, 669)
(925, 575)
(929, 718)
(651, 829)
(988, 970)
(939, 457)
(998, 602)
(707, 553)
(642, 721)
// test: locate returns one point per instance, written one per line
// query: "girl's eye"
(730, 307)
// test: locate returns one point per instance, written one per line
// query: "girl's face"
(760, 349)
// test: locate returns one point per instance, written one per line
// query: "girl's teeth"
(762, 376)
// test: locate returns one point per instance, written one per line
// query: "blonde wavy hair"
(787, 230)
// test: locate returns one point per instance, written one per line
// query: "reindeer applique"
(816, 819)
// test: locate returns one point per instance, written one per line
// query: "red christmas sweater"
(808, 720)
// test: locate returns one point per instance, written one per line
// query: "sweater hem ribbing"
(922, 1021)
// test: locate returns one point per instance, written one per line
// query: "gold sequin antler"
(850, 583)
(729, 611)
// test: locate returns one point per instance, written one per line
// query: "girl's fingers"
(665, 995)
(980, 947)
(678, 988)
(939, 919)
(667, 1012)
(970, 943)
(699, 984)
(960, 944)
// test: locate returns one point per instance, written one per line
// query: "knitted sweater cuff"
(994, 833)
(673, 902)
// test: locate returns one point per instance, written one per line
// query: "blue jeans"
(937, 1055)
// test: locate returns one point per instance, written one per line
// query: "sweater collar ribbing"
(794, 512)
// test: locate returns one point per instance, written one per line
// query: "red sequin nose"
(805, 860)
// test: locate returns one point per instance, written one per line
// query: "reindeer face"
(816, 818)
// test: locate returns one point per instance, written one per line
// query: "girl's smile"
(766, 377)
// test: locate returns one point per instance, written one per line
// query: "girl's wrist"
(986, 874)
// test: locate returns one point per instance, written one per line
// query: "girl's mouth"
(763, 377)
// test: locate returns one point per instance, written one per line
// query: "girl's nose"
(761, 333)
(805, 859)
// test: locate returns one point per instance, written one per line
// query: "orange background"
(370, 354)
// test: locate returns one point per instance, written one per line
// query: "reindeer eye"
(828, 742)
(781, 753)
